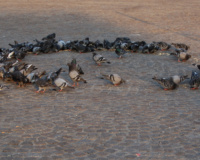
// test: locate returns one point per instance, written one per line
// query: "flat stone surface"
(136, 120)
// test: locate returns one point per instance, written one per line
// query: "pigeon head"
(94, 54)
(188, 56)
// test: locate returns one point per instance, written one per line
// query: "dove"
(41, 83)
(36, 50)
(107, 44)
(195, 80)
(114, 78)
(61, 44)
(3, 86)
(28, 69)
(61, 84)
(17, 76)
(181, 45)
(76, 66)
(99, 59)
(32, 77)
(182, 56)
(162, 45)
(49, 37)
(98, 45)
(171, 82)
(74, 75)
(120, 52)
(53, 75)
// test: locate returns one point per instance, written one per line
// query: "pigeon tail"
(59, 71)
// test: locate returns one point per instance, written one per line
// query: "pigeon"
(134, 47)
(98, 45)
(79, 47)
(77, 66)
(120, 52)
(74, 75)
(171, 82)
(49, 37)
(36, 50)
(2, 87)
(61, 44)
(53, 75)
(150, 48)
(19, 78)
(162, 45)
(99, 59)
(182, 56)
(28, 69)
(61, 84)
(196, 65)
(107, 44)
(114, 78)
(32, 77)
(41, 84)
(195, 80)
(181, 45)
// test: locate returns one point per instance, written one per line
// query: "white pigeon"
(114, 78)
(61, 84)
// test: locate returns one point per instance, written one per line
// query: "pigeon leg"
(74, 84)
(116, 84)
(38, 91)
(179, 60)
(194, 88)
(77, 84)
(165, 89)
(99, 64)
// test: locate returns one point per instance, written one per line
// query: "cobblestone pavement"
(136, 120)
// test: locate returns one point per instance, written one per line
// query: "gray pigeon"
(114, 78)
(42, 84)
(61, 84)
(61, 44)
(171, 82)
(32, 77)
(49, 37)
(53, 75)
(99, 59)
(74, 75)
(76, 66)
(195, 80)
(120, 52)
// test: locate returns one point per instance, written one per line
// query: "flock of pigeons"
(11, 69)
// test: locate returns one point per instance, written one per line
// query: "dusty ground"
(97, 120)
